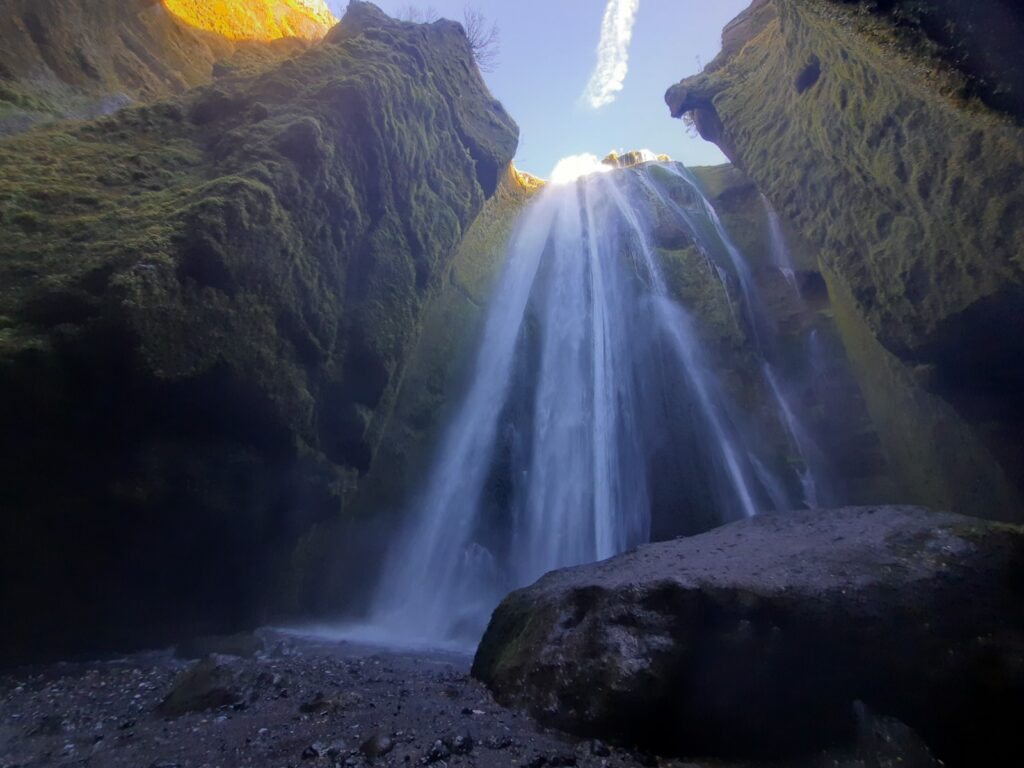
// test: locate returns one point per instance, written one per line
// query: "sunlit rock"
(256, 19)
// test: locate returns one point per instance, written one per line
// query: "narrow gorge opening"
(330, 435)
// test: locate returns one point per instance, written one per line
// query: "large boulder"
(755, 640)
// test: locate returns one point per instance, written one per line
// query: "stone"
(377, 745)
(211, 683)
(438, 751)
(498, 743)
(755, 640)
(314, 751)
(461, 744)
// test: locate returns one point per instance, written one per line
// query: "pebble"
(439, 751)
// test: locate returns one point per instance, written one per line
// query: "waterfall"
(814, 472)
(591, 404)
(781, 256)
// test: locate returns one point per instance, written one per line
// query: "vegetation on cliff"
(908, 188)
(207, 306)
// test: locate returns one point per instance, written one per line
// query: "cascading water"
(592, 403)
(781, 256)
(814, 472)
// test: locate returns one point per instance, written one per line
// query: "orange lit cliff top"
(256, 19)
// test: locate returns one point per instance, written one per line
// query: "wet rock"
(211, 683)
(323, 704)
(314, 751)
(461, 745)
(337, 750)
(561, 760)
(438, 751)
(498, 743)
(754, 640)
(377, 745)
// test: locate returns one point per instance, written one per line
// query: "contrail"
(612, 53)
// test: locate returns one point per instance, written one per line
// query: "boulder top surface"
(800, 550)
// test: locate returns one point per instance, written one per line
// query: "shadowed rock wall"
(207, 306)
(862, 133)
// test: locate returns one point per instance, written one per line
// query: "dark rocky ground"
(302, 702)
(310, 704)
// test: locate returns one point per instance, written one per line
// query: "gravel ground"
(297, 702)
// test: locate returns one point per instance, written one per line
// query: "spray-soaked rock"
(755, 639)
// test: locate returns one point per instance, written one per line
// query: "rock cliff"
(207, 307)
(890, 139)
(256, 19)
(86, 58)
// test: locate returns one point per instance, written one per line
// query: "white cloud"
(612, 53)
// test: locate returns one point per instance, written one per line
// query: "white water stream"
(585, 364)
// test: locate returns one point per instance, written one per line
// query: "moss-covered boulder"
(866, 131)
(207, 306)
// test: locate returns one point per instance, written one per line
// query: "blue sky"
(549, 51)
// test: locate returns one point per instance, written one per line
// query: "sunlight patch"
(575, 167)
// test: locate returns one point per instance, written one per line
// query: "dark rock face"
(859, 124)
(981, 39)
(207, 306)
(336, 556)
(755, 640)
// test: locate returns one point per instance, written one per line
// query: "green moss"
(908, 191)
(860, 146)
(212, 302)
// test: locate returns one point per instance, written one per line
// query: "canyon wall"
(899, 160)
(207, 308)
(86, 58)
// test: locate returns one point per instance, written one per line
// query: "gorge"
(407, 456)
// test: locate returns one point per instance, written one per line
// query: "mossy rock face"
(207, 307)
(337, 554)
(862, 136)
